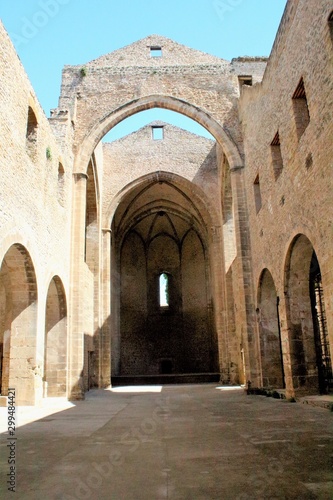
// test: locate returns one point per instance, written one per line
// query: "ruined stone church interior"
(164, 256)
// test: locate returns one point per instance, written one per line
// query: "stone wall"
(296, 198)
(35, 224)
(112, 82)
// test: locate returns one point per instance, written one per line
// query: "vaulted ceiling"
(155, 209)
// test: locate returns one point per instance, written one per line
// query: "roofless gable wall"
(107, 90)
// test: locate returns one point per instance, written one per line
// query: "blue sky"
(48, 34)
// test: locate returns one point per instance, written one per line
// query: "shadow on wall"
(206, 176)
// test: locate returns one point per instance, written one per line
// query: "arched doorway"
(18, 327)
(269, 332)
(159, 237)
(310, 350)
(55, 359)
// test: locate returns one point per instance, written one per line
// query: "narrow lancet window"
(164, 290)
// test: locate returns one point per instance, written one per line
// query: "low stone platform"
(179, 378)
(322, 401)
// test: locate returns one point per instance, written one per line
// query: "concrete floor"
(185, 442)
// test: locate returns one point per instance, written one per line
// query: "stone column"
(286, 346)
(105, 308)
(115, 308)
(77, 292)
(218, 293)
(244, 295)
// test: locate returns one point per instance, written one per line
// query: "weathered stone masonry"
(240, 225)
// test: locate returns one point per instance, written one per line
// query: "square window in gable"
(155, 51)
(157, 133)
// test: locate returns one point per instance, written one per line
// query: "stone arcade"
(165, 254)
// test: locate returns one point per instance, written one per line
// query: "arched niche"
(18, 335)
(269, 332)
(309, 343)
(55, 358)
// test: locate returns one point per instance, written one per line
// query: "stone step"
(182, 378)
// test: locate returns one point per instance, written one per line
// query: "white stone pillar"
(77, 290)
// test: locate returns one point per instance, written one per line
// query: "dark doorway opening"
(322, 346)
(166, 366)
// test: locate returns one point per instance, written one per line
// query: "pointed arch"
(106, 123)
(205, 210)
(309, 342)
(162, 224)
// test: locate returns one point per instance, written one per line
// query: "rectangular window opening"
(257, 194)
(155, 51)
(245, 80)
(277, 161)
(31, 134)
(157, 133)
(61, 184)
(301, 110)
(308, 161)
(330, 24)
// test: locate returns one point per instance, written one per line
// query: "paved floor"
(196, 442)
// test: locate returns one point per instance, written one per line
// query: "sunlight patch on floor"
(136, 388)
(27, 414)
(230, 387)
